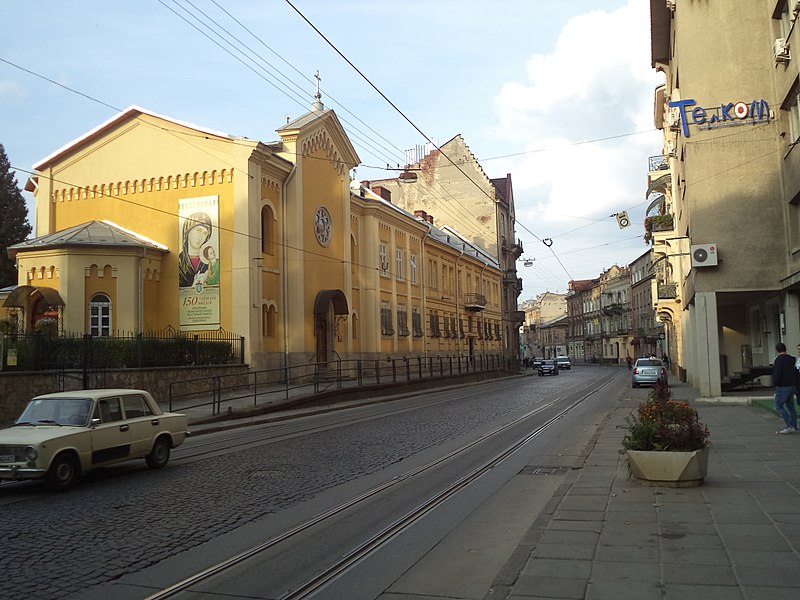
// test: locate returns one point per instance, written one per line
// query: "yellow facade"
(286, 256)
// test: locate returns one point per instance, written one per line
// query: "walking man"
(784, 378)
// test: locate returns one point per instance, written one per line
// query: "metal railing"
(255, 389)
(44, 352)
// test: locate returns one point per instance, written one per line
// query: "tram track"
(324, 577)
(277, 431)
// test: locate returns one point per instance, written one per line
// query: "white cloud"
(11, 90)
(596, 83)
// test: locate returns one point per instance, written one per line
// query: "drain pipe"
(285, 278)
(424, 293)
(140, 292)
(458, 292)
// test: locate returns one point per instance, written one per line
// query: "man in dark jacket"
(784, 378)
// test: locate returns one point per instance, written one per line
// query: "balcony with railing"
(474, 302)
(667, 291)
(658, 223)
(658, 163)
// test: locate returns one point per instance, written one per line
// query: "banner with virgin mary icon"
(198, 263)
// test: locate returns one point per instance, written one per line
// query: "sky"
(557, 93)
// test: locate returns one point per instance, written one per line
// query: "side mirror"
(95, 422)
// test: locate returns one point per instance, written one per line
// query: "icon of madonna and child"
(198, 263)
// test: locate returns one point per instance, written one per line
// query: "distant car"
(564, 362)
(648, 371)
(536, 362)
(61, 436)
(548, 367)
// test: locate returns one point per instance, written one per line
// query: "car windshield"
(648, 362)
(56, 411)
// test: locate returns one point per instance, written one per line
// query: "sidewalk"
(606, 537)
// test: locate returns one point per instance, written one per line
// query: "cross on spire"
(318, 95)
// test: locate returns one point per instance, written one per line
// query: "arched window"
(268, 321)
(100, 315)
(267, 231)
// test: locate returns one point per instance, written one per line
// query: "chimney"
(421, 215)
(429, 219)
(383, 192)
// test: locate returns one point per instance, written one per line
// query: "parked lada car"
(63, 435)
(548, 367)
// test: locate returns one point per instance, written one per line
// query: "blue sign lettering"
(729, 114)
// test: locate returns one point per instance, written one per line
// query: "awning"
(325, 297)
(659, 199)
(659, 184)
(19, 296)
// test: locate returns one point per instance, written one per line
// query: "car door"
(143, 424)
(111, 439)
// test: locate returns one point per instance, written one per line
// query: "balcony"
(658, 163)
(667, 291)
(615, 308)
(510, 277)
(474, 302)
(657, 223)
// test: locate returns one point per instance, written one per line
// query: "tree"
(14, 226)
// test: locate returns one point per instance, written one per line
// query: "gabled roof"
(131, 112)
(93, 233)
(319, 114)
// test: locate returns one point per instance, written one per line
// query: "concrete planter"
(669, 469)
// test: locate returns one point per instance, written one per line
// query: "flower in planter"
(661, 423)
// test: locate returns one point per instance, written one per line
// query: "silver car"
(648, 371)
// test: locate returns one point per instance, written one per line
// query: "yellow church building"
(147, 223)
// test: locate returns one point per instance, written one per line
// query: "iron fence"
(43, 352)
(240, 391)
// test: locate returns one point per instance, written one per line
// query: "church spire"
(317, 105)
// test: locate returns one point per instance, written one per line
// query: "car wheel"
(634, 385)
(159, 455)
(62, 473)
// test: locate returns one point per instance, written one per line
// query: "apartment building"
(729, 235)
(450, 183)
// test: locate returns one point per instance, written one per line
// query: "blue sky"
(525, 82)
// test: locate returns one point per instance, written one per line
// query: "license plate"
(649, 372)
(6, 458)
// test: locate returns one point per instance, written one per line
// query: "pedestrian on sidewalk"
(784, 378)
(629, 360)
(797, 369)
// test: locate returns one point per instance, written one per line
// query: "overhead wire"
(399, 111)
(260, 71)
(444, 207)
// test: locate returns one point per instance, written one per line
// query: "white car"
(63, 435)
(564, 362)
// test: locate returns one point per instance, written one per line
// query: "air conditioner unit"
(674, 119)
(704, 255)
(782, 54)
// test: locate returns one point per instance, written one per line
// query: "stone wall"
(17, 388)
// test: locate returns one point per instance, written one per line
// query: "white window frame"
(399, 259)
(99, 321)
(383, 259)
